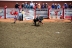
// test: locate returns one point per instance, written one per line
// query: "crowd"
(31, 5)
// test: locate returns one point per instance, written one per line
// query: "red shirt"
(15, 13)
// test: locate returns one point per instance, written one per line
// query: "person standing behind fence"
(53, 6)
(22, 5)
(70, 6)
(43, 6)
(36, 5)
(65, 5)
(17, 5)
(28, 6)
(39, 6)
(58, 6)
(31, 5)
(25, 5)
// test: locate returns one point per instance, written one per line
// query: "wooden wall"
(11, 4)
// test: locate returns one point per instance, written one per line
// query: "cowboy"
(20, 16)
(15, 18)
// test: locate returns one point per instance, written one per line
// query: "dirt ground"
(45, 20)
(23, 34)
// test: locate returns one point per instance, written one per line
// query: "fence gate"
(42, 12)
(8, 14)
(55, 13)
(67, 13)
(28, 14)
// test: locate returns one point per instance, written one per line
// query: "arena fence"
(42, 12)
(68, 13)
(2, 12)
(55, 13)
(30, 14)
(8, 12)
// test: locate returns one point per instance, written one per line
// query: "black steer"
(38, 19)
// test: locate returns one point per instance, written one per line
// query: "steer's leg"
(34, 22)
(41, 22)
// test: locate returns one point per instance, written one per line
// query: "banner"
(8, 14)
(42, 12)
(67, 13)
(28, 14)
(53, 13)
(1, 13)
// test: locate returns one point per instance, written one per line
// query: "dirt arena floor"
(45, 20)
(23, 34)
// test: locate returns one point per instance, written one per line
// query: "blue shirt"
(66, 6)
(53, 6)
(58, 6)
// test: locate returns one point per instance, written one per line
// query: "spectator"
(25, 5)
(58, 6)
(16, 5)
(53, 6)
(36, 5)
(28, 5)
(39, 6)
(22, 5)
(70, 6)
(31, 5)
(20, 16)
(43, 6)
(65, 5)
(46, 5)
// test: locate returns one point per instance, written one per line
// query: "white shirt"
(31, 4)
